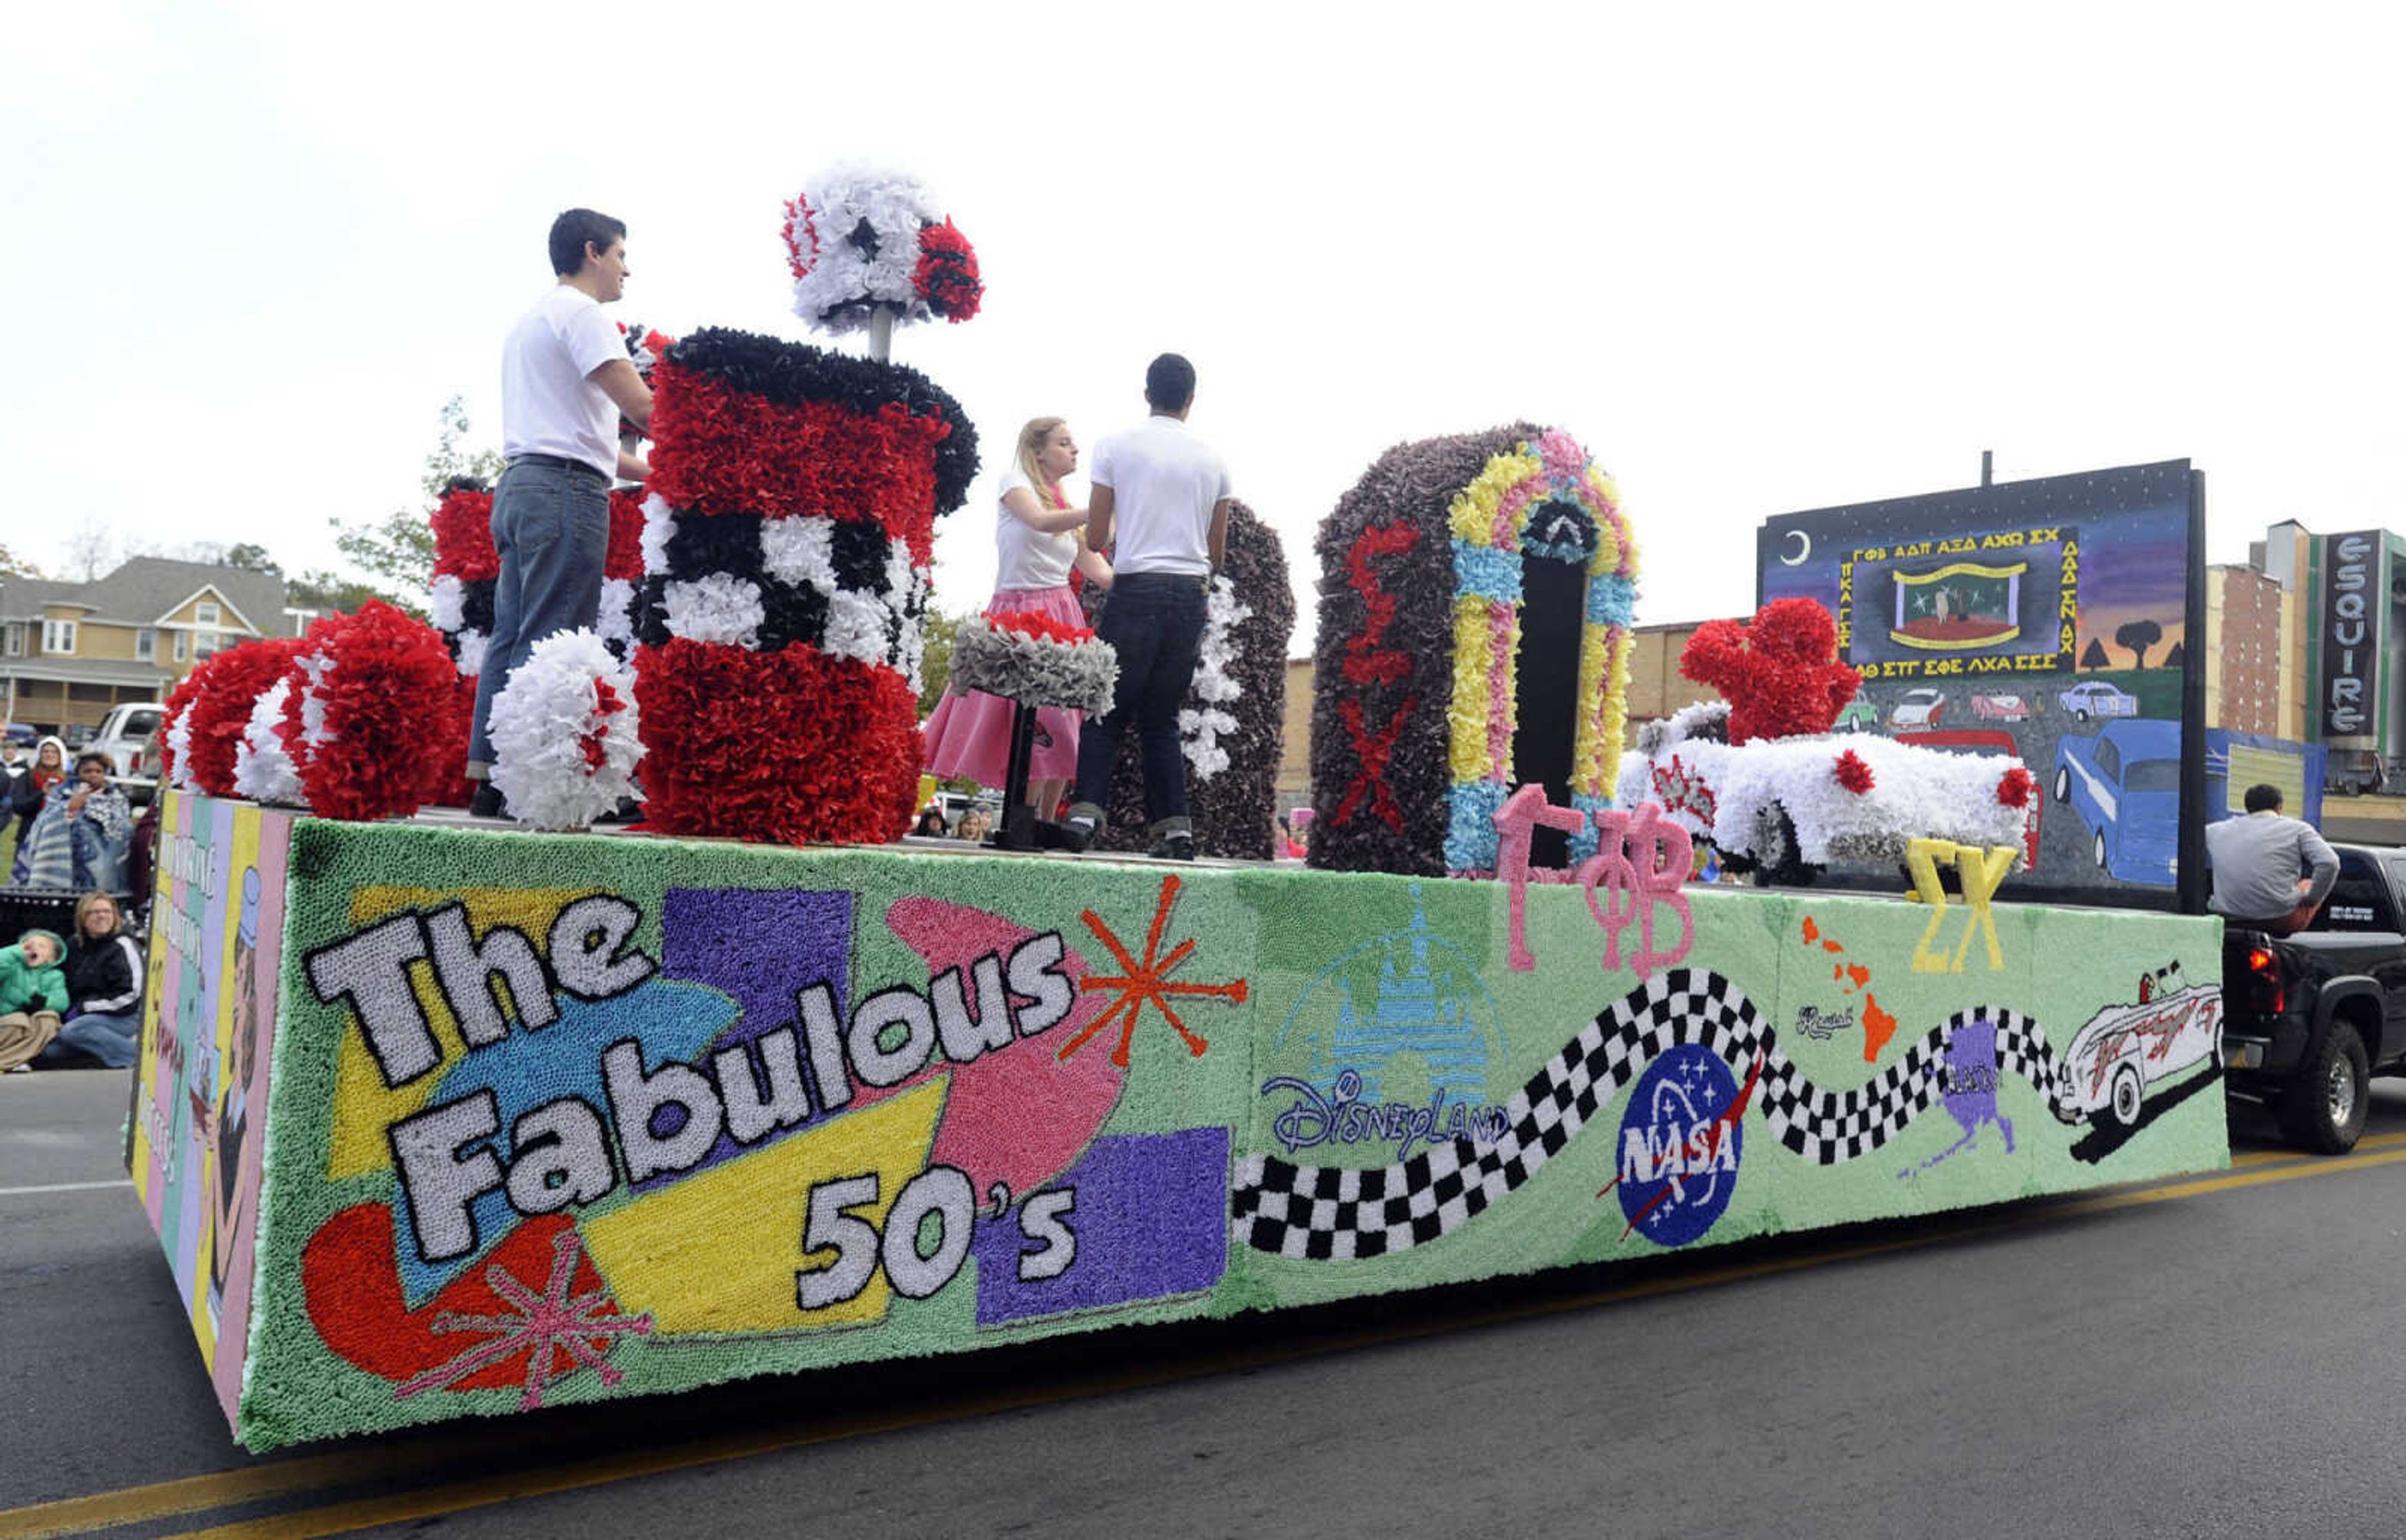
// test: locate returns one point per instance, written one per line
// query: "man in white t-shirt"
(1165, 494)
(566, 380)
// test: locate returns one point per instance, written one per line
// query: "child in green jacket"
(33, 995)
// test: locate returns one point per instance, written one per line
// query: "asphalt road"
(2208, 1356)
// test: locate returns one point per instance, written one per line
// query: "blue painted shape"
(525, 1069)
(2124, 784)
(1486, 571)
(1680, 1152)
(1611, 599)
(1583, 844)
(1470, 838)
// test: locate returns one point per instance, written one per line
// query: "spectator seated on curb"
(33, 997)
(102, 1028)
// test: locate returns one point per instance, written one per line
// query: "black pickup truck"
(2310, 1018)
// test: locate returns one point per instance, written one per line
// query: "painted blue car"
(2124, 785)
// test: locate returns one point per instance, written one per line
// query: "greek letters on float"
(561, 1153)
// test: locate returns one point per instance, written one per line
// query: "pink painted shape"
(1018, 1115)
(1515, 821)
(1505, 534)
(1500, 665)
(1562, 453)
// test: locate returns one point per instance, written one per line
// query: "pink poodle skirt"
(970, 735)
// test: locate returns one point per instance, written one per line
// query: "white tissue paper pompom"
(855, 626)
(179, 743)
(659, 528)
(565, 733)
(263, 766)
(800, 550)
(448, 610)
(472, 652)
(1198, 731)
(842, 276)
(617, 619)
(716, 607)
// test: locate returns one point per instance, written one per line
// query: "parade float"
(438, 1119)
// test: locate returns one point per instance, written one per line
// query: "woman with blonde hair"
(1040, 538)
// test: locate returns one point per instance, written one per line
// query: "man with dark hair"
(1167, 494)
(566, 380)
(2269, 872)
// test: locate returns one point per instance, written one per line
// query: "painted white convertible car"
(1786, 806)
(2127, 1051)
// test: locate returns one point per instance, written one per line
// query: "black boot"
(488, 802)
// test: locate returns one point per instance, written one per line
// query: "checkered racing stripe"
(843, 587)
(1323, 1212)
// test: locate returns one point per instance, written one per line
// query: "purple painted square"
(759, 946)
(1151, 1222)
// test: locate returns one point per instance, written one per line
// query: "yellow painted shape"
(1466, 714)
(1983, 873)
(364, 1106)
(1922, 859)
(718, 1251)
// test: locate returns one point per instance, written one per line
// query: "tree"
(2095, 656)
(2176, 658)
(397, 551)
(448, 460)
(936, 661)
(91, 550)
(11, 565)
(2138, 635)
(398, 554)
(251, 558)
(323, 591)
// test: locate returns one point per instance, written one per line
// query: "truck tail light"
(2265, 994)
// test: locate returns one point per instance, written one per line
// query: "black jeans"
(1154, 621)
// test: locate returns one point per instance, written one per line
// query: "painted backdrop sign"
(2045, 618)
(563, 1118)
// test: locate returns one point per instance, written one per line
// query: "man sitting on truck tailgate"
(2269, 872)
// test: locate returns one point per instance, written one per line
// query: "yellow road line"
(86, 1515)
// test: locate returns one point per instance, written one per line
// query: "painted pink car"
(2001, 707)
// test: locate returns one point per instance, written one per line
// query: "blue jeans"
(1154, 622)
(552, 527)
(113, 1041)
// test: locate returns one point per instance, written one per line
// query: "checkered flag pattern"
(1326, 1212)
(844, 586)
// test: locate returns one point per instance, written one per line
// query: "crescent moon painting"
(1803, 549)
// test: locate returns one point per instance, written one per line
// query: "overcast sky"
(1756, 260)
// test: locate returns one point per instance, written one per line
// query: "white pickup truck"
(126, 736)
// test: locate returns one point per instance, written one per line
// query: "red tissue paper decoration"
(1029, 623)
(791, 745)
(1780, 674)
(1853, 773)
(947, 274)
(463, 536)
(2016, 786)
(216, 700)
(371, 694)
(789, 525)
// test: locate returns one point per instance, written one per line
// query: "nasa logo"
(1680, 1146)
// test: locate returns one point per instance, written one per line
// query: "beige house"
(70, 651)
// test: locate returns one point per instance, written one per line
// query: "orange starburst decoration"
(1146, 981)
